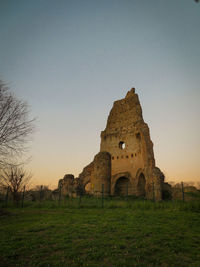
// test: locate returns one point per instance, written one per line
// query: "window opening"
(122, 145)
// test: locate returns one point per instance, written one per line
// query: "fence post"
(79, 201)
(6, 199)
(183, 193)
(40, 193)
(127, 191)
(59, 197)
(102, 199)
(23, 196)
(153, 192)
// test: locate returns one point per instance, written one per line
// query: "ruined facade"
(125, 164)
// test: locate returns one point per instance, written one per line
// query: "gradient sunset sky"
(70, 60)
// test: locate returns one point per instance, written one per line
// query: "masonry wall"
(126, 137)
(126, 159)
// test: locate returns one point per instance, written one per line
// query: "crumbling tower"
(125, 163)
(127, 139)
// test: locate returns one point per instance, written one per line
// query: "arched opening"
(122, 186)
(88, 188)
(138, 136)
(141, 185)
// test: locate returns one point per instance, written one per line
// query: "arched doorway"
(122, 186)
(88, 188)
(141, 185)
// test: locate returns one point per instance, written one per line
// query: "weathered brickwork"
(125, 163)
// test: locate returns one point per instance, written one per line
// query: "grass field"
(141, 234)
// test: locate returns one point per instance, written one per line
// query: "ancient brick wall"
(125, 164)
(126, 137)
(102, 173)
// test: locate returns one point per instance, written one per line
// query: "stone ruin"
(125, 164)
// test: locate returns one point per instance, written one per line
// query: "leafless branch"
(15, 125)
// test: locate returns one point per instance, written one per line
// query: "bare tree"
(15, 125)
(15, 178)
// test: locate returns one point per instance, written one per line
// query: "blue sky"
(71, 59)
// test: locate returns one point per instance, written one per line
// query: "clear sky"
(71, 59)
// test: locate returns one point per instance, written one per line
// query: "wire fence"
(45, 197)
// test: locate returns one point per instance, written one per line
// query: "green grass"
(132, 233)
(111, 203)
